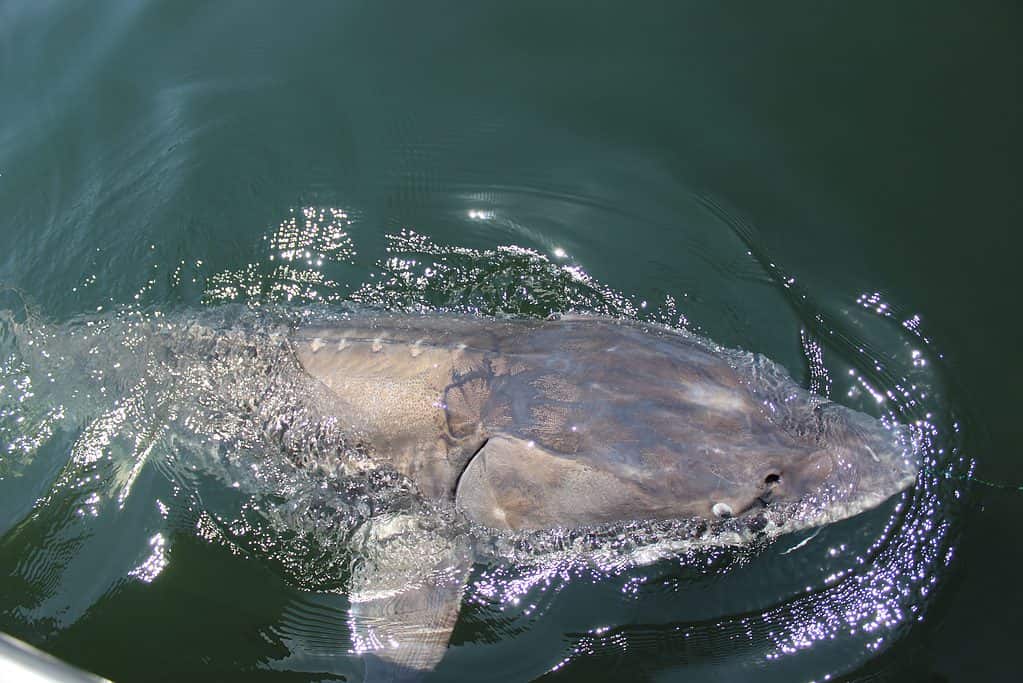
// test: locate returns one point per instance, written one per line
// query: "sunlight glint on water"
(227, 430)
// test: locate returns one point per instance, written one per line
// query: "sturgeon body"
(528, 424)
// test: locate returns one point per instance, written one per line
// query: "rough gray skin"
(582, 421)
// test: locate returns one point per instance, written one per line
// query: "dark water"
(782, 177)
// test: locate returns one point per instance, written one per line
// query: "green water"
(152, 155)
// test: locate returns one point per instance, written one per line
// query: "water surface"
(833, 187)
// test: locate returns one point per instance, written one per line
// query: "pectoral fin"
(405, 603)
(516, 484)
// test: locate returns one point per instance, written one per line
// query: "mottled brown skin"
(577, 421)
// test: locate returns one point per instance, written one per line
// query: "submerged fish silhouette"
(576, 421)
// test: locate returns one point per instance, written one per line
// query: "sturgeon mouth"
(723, 510)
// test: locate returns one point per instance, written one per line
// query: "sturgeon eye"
(772, 479)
